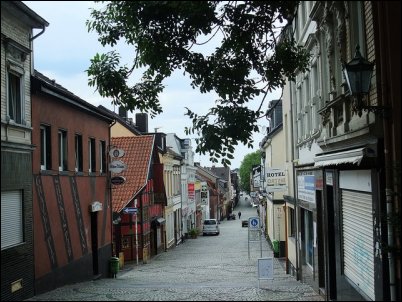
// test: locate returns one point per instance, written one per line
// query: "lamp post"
(358, 74)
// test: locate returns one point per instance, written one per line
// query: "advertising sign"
(117, 166)
(116, 152)
(306, 187)
(191, 191)
(117, 180)
(276, 180)
(256, 176)
(265, 268)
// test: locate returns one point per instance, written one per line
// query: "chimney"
(141, 121)
(122, 112)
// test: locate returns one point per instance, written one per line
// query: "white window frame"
(78, 153)
(18, 72)
(44, 138)
(102, 156)
(91, 153)
(62, 135)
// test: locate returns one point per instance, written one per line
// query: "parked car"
(244, 223)
(232, 216)
(210, 226)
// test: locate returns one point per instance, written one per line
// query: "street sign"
(253, 222)
(117, 166)
(117, 180)
(130, 210)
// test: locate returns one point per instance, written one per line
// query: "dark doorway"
(331, 242)
(320, 242)
(94, 238)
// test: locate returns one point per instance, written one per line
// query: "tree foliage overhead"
(246, 167)
(251, 60)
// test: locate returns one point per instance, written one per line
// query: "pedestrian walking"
(239, 214)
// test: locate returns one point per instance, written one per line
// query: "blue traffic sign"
(254, 222)
(130, 210)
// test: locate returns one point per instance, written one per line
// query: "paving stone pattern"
(208, 268)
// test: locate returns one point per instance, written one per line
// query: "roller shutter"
(358, 242)
(11, 218)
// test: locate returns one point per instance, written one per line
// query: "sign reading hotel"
(276, 180)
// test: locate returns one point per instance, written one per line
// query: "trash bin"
(114, 266)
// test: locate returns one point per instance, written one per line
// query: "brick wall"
(17, 262)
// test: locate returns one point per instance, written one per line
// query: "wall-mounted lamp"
(358, 74)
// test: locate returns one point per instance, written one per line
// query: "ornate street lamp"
(358, 74)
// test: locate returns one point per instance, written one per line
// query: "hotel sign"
(276, 180)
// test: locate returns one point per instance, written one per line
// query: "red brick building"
(71, 197)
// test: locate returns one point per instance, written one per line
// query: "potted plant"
(193, 233)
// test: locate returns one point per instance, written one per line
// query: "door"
(330, 231)
(94, 238)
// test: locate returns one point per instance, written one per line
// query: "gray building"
(346, 190)
(17, 256)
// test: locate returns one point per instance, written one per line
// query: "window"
(12, 223)
(62, 150)
(291, 222)
(45, 148)
(78, 153)
(15, 101)
(102, 157)
(91, 155)
(307, 237)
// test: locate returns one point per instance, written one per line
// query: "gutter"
(38, 34)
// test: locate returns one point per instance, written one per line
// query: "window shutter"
(11, 218)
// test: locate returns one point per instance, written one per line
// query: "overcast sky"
(63, 53)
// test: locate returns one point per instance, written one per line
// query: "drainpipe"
(109, 185)
(383, 15)
(31, 40)
(294, 181)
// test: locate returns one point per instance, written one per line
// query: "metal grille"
(358, 243)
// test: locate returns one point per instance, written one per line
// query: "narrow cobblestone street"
(208, 268)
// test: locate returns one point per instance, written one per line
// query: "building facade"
(17, 238)
(273, 156)
(71, 200)
(172, 162)
(188, 204)
(345, 190)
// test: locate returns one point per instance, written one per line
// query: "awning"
(353, 156)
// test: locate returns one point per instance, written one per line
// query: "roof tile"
(137, 157)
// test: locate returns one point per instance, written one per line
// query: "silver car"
(210, 226)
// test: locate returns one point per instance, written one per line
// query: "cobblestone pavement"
(208, 268)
